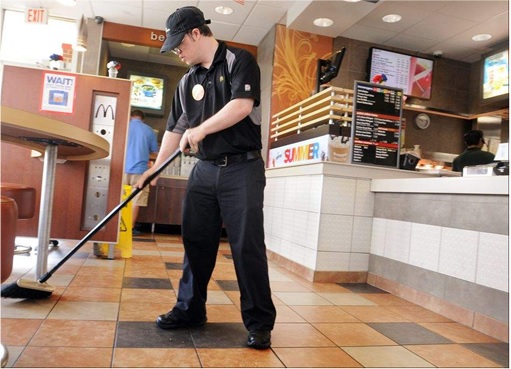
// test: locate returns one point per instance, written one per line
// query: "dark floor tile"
(220, 335)
(174, 266)
(409, 333)
(150, 283)
(361, 288)
(497, 352)
(142, 239)
(149, 335)
(228, 285)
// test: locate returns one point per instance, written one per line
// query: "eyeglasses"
(177, 50)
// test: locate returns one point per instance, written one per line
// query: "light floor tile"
(142, 311)
(315, 357)
(459, 333)
(298, 335)
(373, 314)
(18, 332)
(155, 358)
(353, 334)
(65, 357)
(85, 310)
(238, 358)
(345, 299)
(103, 294)
(287, 315)
(301, 298)
(451, 356)
(324, 314)
(75, 333)
(387, 357)
(223, 314)
(417, 314)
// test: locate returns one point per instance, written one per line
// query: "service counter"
(439, 242)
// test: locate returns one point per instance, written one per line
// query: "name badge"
(198, 92)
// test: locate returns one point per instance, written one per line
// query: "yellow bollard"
(125, 232)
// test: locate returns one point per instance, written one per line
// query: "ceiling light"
(352, 1)
(127, 45)
(323, 22)
(482, 37)
(225, 10)
(391, 18)
(67, 2)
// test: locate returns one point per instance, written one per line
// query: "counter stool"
(25, 199)
(9, 219)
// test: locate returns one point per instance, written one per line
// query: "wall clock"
(422, 121)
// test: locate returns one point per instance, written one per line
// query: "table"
(55, 140)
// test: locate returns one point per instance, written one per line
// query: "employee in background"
(473, 155)
(142, 145)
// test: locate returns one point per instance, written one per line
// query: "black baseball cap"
(180, 22)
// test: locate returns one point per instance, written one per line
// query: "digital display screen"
(496, 75)
(412, 74)
(148, 92)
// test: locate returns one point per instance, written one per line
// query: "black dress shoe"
(170, 321)
(259, 339)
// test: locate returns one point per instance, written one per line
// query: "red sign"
(36, 16)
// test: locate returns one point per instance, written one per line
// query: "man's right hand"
(144, 176)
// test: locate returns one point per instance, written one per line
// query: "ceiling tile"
(250, 35)
(263, 16)
(411, 43)
(368, 34)
(439, 27)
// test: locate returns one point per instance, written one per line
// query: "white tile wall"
(425, 246)
(300, 219)
(335, 232)
(458, 253)
(332, 261)
(364, 198)
(378, 236)
(338, 196)
(313, 231)
(359, 262)
(493, 261)
(325, 223)
(397, 240)
(361, 238)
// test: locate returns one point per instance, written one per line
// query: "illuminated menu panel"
(376, 124)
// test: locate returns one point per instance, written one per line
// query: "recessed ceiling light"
(225, 10)
(391, 18)
(67, 2)
(127, 45)
(482, 37)
(323, 22)
(352, 1)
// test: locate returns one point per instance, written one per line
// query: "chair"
(9, 219)
(25, 198)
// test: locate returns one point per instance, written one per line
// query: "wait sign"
(36, 16)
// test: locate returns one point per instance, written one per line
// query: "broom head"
(24, 289)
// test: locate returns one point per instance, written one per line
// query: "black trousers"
(233, 195)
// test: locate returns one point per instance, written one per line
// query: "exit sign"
(36, 16)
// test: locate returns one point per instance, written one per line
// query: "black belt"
(233, 159)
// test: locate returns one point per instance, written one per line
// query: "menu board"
(376, 125)
(411, 73)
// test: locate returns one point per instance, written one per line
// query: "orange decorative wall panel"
(295, 65)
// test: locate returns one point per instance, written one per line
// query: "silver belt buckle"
(224, 164)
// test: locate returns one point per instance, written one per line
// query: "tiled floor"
(103, 311)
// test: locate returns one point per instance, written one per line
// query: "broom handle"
(112, 213)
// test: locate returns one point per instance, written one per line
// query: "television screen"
(496, 74)
(410, 73)
(148, 93)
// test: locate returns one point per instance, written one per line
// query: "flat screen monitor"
(495, 75)
(413, 74)
(148, 92)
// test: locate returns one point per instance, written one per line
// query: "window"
(34, 43)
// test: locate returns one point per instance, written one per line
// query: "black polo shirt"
(233, 74)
